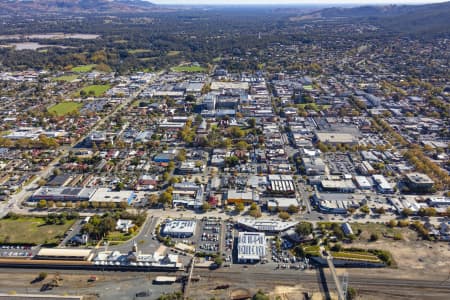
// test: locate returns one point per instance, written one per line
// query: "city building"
(63, 194)
(418, 182)
(266, 226)
(108, 196)
(180, 228)
(251, 247)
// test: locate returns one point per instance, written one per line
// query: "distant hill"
(407, 18)
(74, 6)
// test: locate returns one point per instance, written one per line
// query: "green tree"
(374, 237)
(304, 228)
(165, 198)
(293, 209)
(239, 207)
(206, 206)
(251, 122)
(284, 215)
(260, 296)
(42, 204)
(218, 260)
(365, 209)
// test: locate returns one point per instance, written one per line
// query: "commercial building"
(251, 247)
(281, 184)
(106, 195)
(187, 194)
(383, 185)
(281, 203)
(266, 226)
(335, 203)
(363, 182)
(62, 194)
(64, 254)
(314, 165)
(336, 138)
(438, 201)
(418, 182)
(180, 228)
(234, 196)
(344, 186)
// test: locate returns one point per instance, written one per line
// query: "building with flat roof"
(281, 203)
(439, 201)
(314, 165)
(62, 194)
(187, 194)
(251, 247)
(64, 254)
(419, 182)
(106, 195)
(266, 226)
(280, 184)
(363, 182)
(345, 186)
(180, 228)
(383, 185)
(234, 196)
(336, 138)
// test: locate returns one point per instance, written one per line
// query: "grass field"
(26, 230)
(66, 78)
(83, 69)
(189, 69)
(312, 250)
(173, 53)
(138, 51)
(97, 90)
(361, 256)
(64, 108)
(120, 236)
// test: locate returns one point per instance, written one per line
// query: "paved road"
(76, 227)
(143, 239)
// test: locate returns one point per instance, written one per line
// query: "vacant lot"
(83, 69)
(66, 78)
(94, 90)
(189, 69)
(65, 108)
(26, 230)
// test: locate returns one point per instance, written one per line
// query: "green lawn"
(83, 68)
(97, 90)
(66, 78)
(25, 230)
(362, 256)
(189, 69)
(64, 108)
(120, 236)
(312, 250)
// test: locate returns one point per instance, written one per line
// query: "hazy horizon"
(289, 2)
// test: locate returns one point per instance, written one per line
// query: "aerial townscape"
(289, 151)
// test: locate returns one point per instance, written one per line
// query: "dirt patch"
(240, 294)
(433, 258)
(295, 292)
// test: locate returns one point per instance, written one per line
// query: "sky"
(298, 2)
